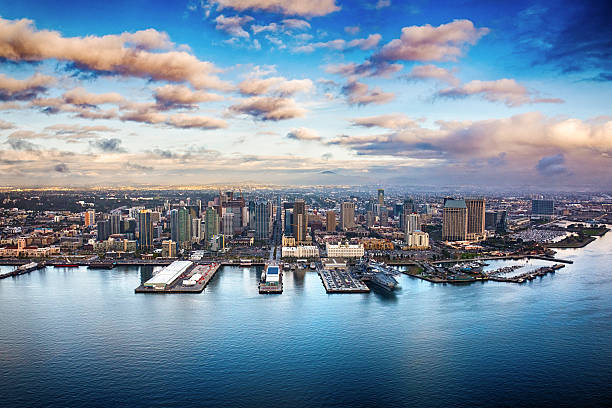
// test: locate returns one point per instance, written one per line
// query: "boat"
(245, 262)
(313, 266)
(102, 265)
(66, 264)
(384, 281)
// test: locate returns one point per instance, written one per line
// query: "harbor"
(180, 277)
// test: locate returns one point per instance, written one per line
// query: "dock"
(341, 281)
(23, 269)
(271, 280)
(528, 276)
(192, 278)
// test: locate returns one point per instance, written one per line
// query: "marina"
(180, 277)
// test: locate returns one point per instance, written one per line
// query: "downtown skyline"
(323, 92)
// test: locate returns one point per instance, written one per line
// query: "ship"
(271, 280)
(66, 264)
(385, 281)
(378, 273)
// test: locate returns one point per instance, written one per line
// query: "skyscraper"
(381, 197)
(288, 221)
(348, 214)
(227, 224)
(475, 218)
(115, 222)
(263, 220)
(413, 223)
(330, 221)
(184, 227)
(103, 230)
(300, 220)
(145, 230)
(454, 220)
(174, 225)
(212, 224)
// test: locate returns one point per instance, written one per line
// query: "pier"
(23, 269)
(341, 281)
(191, 278)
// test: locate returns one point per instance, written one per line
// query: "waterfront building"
(348, 215)
(330, 221)
(341, 250)
(168, 249)
(145, 230)
(454, 220)
(475, 218)
(417, 240)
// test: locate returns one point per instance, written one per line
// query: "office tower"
(398, 210)
(454, 220)
(330, 221)
(370, 219)
(90, 218)
(348, 215)
(184, 227)
(168, 249)
(103, 230)
(115, 222)
(502, 222)
(491, 220)
(384, 216)
(236, 206)
(251, 214)
(542, 208)
(407, 208)
(288, 221)
(475, 218)
(212, 224)
(263, 220)
(300, 220)
(412, 222)
(227, 224)
(381, 197)
(174, 225)
(196, 230)
(145, 230)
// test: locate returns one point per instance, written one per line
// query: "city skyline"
(312, 93)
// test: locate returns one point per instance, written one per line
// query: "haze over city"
(327, 92)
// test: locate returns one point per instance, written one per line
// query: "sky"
(490, 94)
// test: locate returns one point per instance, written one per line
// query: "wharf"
(340, 281)
(527, 276)
(183, 283)
(23, 269)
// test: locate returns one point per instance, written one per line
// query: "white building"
(306, 251)
(168, 275)
(344, 250)
(418, 240)
(413, 223)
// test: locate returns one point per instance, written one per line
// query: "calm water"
(79, 337)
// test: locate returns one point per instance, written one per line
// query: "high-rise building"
(412, 222)
(227, 224)
(168, 249)
(288, 222)
(115, 222)
(212, 224)
(475, 218)
(330, 221)
(542, 208)
(300, 221)
(347, 214)
(103, 230)
(370, 219)
(454, 220)
(263, 220)
(407, 208)
(491, 220)
(184, 227)
(145, 230)
(196, 230)
(90, 218)
(381, 197)
(384, 216)
(174, 225)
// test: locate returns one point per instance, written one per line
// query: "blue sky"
(273, 91)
